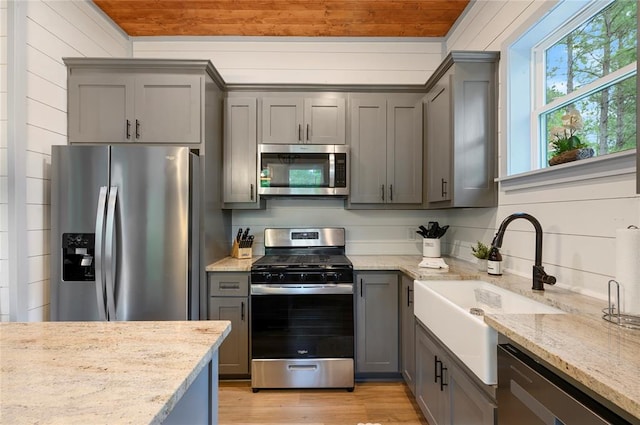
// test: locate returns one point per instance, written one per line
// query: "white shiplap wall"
(305, 60)
(4, 206)
(579, 219)
(53, 29)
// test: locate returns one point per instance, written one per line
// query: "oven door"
(302, 321)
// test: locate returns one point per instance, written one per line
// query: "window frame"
(526, 162)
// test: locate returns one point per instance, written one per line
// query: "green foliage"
(566, 144)
(604, 44)
(480, 251)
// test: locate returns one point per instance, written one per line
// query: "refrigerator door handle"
(100, 284)
(109, 246)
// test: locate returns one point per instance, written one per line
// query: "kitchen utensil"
(442, 230)
(432, 229)
(239, 235)
(246, 233)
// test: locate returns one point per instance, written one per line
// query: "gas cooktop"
(302, 261)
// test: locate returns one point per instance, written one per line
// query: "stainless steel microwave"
(320, 170)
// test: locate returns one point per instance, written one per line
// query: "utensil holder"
(431, 247)
(241, 253)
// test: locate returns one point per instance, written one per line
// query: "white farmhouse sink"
(444, 306)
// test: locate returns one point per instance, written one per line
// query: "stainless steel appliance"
(530, 394)
(125, 233)
(302, 324)
(319, 170)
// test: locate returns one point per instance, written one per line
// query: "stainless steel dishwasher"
(530, 394)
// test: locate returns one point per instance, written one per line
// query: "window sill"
(586, 169)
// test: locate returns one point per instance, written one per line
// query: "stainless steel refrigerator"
(124, 233)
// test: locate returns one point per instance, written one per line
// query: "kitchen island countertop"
(101, 372)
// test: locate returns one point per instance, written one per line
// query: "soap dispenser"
(494, 262)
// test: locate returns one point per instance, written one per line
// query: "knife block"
(241, 253)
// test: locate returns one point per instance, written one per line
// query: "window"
(581, 89)
(585, 84)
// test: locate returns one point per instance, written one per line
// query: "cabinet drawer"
(228, 284)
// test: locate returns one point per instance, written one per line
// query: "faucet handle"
(540, 277)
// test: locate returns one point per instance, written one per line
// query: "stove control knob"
(324, 277)
(268, 277)
(303, 277)
(281, 277)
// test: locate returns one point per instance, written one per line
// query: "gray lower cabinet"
(385, 139)
(461, 132)
(240, 183)
(314, 119)
(129, 100)
(445, 392)
(377, 323)
(407, 333)
(229, 300)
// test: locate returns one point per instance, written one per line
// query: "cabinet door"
(282, 120)
(407, 334)
(468, 404)
(474, 135)
(101, 109)
(368, 150)
(432, 394)
(324, 121)
(377, 323)
(404, 152)
(240, 151)
(439, 141)
(168, 109)
(234, 351)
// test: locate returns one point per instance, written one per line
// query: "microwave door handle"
(332, 170)
(109, 246)
(99, 251)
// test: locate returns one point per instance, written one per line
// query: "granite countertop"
(101, 372)
(600, 355)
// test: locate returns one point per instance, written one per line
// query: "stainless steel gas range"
(302, 314)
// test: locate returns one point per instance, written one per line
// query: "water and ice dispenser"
(78, 250)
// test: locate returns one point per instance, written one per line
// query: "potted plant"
(565, 145)
(481, 252)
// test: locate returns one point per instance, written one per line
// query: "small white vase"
(482, 264)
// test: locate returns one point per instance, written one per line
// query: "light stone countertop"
(600, 355)
(101, 372)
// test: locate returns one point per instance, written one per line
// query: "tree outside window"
(591, 72)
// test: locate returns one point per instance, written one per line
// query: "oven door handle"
(302, 289)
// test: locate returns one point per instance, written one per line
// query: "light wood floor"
(384, 403)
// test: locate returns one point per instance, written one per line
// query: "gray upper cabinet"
(377, 323)
(167, 108)
(300, 119)
(112, 106)
(240, 151)
(461, 132)
(101, 109)
(386, 150)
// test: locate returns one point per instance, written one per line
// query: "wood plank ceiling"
(303, 18)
